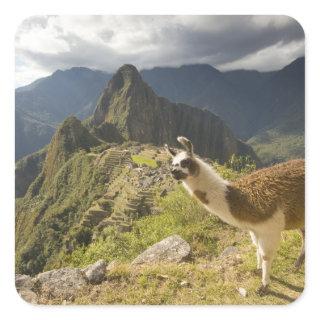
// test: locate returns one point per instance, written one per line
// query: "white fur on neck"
(215, 187)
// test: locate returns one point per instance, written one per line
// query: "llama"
(265, 202)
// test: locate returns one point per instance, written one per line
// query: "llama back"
(256, 197)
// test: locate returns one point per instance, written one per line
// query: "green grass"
(211, 280)
(181, 215)
(206, 284)
(140, 160)
(273, 146)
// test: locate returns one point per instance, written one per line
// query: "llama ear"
(186, 144)
(170, 151)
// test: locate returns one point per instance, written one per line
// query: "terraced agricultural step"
(106, 223)
(146, 192)
(133, 206)
(116, 219)
(103, 204)
(148, 203)
(118, 214)
(131, 213)
(124, 227)
(94, 216)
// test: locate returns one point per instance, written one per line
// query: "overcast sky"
(47, 43)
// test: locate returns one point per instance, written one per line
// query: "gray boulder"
(28, 296)
(96, 272)
(112, 266)
(171, 249)
(23, 282)
(61, 283)
(25, 286)
(231, 250)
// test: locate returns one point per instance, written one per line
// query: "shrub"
(241, 164)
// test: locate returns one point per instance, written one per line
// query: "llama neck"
(212, 187)
(207, 179)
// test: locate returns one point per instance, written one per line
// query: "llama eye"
(184, 163)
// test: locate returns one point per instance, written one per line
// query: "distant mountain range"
(265, 108)
(45, 103)
(239, 97)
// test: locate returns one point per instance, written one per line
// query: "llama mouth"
(179, 175)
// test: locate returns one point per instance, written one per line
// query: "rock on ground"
(229, 258)
(170, 249)
(28, 295)
(24, 286)
(229, 251)
(111, 266)
(242, 291)
(23, 282)
(96, 272)
(61, 283)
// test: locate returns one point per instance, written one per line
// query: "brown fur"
(192, 165)
(202, 196)
(256, 197)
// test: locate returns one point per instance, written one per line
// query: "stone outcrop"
(63, 286)
(61, 283)
(25, 286)
(96, 272)
(138, 114)
(172, 249)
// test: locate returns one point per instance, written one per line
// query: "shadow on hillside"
(280, 295)
(287, 285)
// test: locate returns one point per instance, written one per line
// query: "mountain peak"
(128, 68)
(70, 136)
(126, 81)
(132, 108)
(127, 73)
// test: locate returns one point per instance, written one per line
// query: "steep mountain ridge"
(132, 107)
(280, 127)
(45, 103)
(70, 137)
(202, 86)
(53, 98)
(265, 107)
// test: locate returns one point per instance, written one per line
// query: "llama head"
(184, 164)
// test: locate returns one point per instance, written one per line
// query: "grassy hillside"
(205, 279)
(44, 218)
(273, 146)
(86, 191)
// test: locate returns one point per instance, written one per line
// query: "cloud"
(47, 43)
(268, 59)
